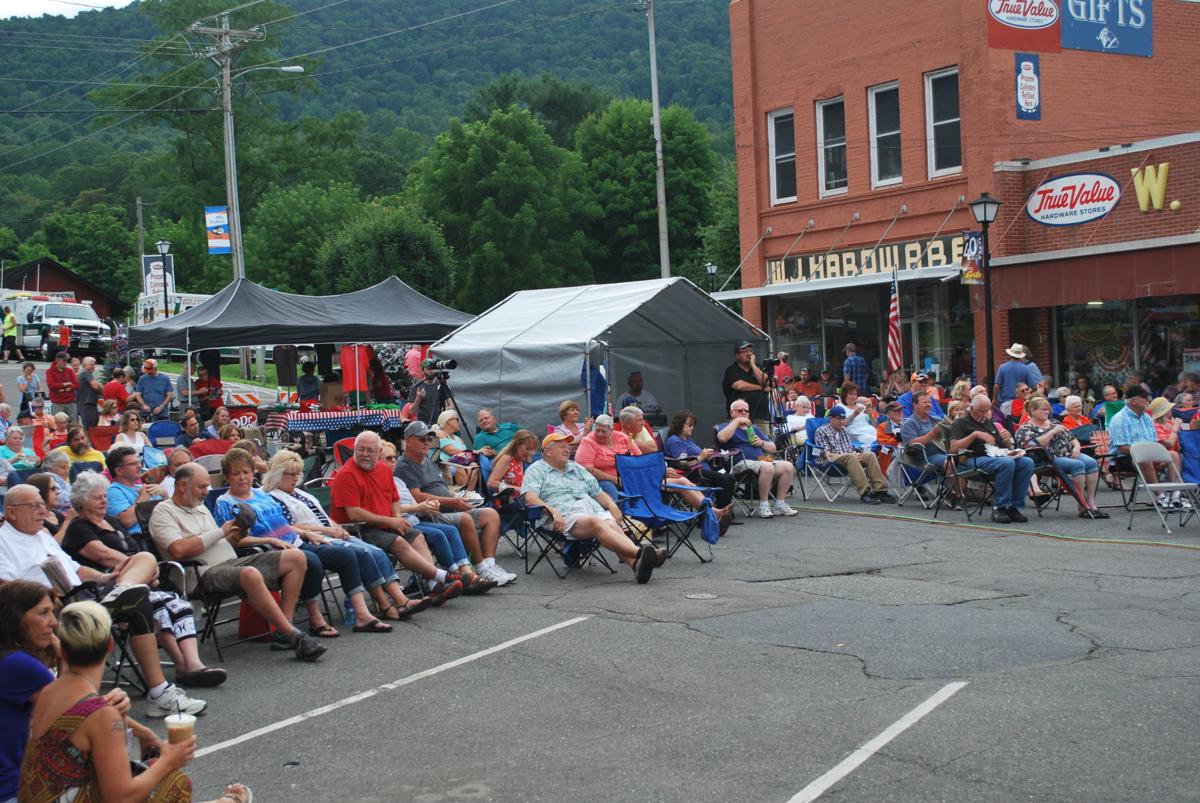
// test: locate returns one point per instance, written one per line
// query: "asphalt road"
(812, 636)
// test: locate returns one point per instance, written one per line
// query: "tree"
(288, 228)
(97, 243)
(722, 238)
(617, 149)
(385, 240)
(560, 106)
(511, 203)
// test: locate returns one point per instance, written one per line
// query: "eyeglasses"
(128, 464)
(26, 504)
(391, 459)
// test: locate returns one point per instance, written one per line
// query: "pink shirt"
(596, 455)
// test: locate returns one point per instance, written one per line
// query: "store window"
(798, 331)
(942, 130)
(831, 146)
(884, 106)
(1096, 340)
(1168, 329)
(782, 145)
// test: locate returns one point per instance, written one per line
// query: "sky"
(36, 8)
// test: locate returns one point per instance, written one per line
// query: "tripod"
(446, 398)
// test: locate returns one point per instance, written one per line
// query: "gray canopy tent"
(248, 314)
(531, 352)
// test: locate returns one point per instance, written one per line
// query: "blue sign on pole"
(1123, 27)
(1029, 87)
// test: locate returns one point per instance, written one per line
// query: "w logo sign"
(1151, 186)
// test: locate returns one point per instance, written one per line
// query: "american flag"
(894, 348)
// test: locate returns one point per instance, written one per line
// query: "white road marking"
(396, 684)
(852, 761)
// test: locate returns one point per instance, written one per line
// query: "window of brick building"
(781, 136)
(884, 107)
(831, 146)
(943, 136)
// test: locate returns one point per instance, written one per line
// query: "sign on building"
(940, 252)
(1073, 199)
(1123, 27)
(1024, 25)
(1028, 87)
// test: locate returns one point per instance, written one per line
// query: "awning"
(841, 282)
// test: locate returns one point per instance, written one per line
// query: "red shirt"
(56, 379)
(374, 491)
(64, 337)
(213, 386)
(115, 389)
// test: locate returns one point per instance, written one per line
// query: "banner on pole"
(216, 221)
(157, 270)
(972, 258)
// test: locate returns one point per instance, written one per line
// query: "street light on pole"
(164, 248)
(984, 208)
(711, 269)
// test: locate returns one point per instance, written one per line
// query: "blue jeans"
(610, 488)
(340, 560)
(444, 542)
(374, 565)
(1074, 466)
(314, 574)
(1011, 477)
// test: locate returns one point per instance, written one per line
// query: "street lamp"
(164, 248)
(231, 185)
(711, 269)
(984, 208)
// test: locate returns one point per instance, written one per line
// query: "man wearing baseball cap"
(426, 394)
(153, 392)
(745, 381)
(575, 506)
(919, 382)
(832, 445)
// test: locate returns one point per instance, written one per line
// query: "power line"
(302, 13)
(73, 82)
(86, 37)
(77, 49)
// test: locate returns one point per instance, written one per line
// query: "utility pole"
(141, 233)
(664, 251)
(228, 42)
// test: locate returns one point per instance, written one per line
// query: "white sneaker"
(783, 509)
(172, 700)
(496, 574)
(504, 571)
(1164, 500)
(763, 511)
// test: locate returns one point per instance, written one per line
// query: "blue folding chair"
(1189, 450)
(162, 433)
(561, 553)
(830, 478)
(85, 465)
(642, 484)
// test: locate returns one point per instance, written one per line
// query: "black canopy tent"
(248, 314)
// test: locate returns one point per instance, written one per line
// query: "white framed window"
(943, 135)
(883, 106)
(831, 146)
(781, 146)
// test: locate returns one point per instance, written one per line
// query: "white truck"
(39, 315)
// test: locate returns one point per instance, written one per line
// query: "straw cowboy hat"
(1160, 407)
(1016, 351)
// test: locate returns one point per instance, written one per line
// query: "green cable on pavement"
(988, 528)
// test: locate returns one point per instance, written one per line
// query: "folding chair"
(1189, 450)
(1157, 453)
(642, 482)
(745, 490)
(85, 465)
(343, 450)
(546, 544)
(954, 486)
(162, 433)
(102, 437)
(830, 478)
(1052, 483)
(912, 475)
(210, 462)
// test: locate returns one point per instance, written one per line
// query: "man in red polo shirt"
(63, 386)
(363, 491)
(116, 389)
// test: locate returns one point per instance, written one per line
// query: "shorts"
(754, 466)
(454, 516)
(385, 538)
(579, 511)
(226, 578)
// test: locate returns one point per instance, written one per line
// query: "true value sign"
(1073, 199)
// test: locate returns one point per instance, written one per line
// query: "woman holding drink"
(77, 745)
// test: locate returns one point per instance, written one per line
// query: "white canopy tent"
(530, 352)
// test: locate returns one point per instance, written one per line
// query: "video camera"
(770, 363)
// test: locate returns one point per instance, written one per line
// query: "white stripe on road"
(852, 761)
(396, 684)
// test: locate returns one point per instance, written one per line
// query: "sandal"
(234, 796)
(373, 626)
(324, 631)
(1097, 513)
(403, 614)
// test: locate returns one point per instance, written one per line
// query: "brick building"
(863, 131)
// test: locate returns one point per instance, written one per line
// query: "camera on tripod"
(770, 363)
(442, 365)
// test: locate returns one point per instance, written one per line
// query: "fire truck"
(40, 314)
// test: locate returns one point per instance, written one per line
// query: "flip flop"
(326, 631)
(249, 798)
(373, 626)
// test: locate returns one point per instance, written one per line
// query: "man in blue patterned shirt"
(855, 368)
(1132, 424)
(831, 444)
(575, 506)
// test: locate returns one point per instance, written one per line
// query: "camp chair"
(343, 450)
(210, 462)
(1189, 450)
(642, 482)
(830, 478)
(1188, 491)
(208, 447)
(1051, 481)
(102, 437)
(39, 441)
(954, 487)
(162, 433)
(745, 490)
(555, 548)
(912, 475)
(85, 465)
